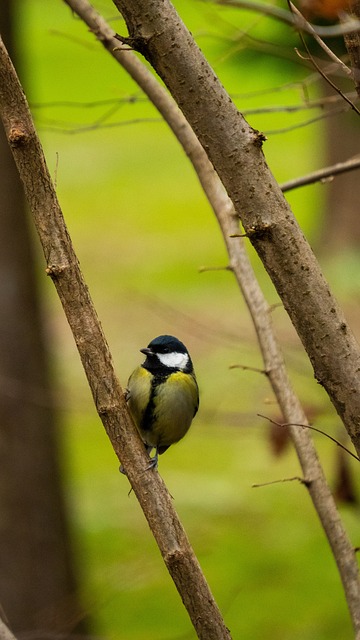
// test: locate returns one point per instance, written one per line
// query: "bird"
(163, 395)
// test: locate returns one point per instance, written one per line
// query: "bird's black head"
(167, 353)
(167, 344)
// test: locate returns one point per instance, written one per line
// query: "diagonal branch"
(258, 307)
(63, 267)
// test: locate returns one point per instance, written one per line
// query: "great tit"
(163, 395)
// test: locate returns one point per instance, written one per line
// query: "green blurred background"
(142, 229)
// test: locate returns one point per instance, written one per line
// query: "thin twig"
(309, 426)
(321, 72)
(206, 269)
(245, 367)
(322, 44)
(306, 123)
(295, 108)
(322, 174)
(267, 484)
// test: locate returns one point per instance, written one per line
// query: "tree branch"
(234, 149)
(308, 426)
(258, 307)
(339, 63)
(63, 267)
(319, 69)
(322, 174)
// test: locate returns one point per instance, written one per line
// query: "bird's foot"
(153, 464)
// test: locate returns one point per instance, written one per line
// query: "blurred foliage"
(142, 228)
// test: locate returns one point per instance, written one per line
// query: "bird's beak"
(146, 351)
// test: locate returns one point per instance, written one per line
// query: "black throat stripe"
(148, 417)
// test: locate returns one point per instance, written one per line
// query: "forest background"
(144, 233)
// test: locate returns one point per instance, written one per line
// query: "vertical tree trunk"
(36, 576)
(342, 228)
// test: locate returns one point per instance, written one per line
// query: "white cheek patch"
(174, 360)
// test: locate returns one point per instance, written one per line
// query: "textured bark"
(64, 269)
(235, 150)
(36, 575)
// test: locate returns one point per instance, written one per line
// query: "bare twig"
(267, 484)
(312, 428)
(295, 11)
(245, 367)
(318, 68)
(306, 123)
(322, 174)
(63, 268)
(260, 311)
(82, 105)
(321, 103)
(207, 269)
(75, 129)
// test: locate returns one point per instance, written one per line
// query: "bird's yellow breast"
(139, 388)
(162, 408)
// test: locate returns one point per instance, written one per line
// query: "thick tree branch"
(234, 148)
(63, 267)
(258, 307)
